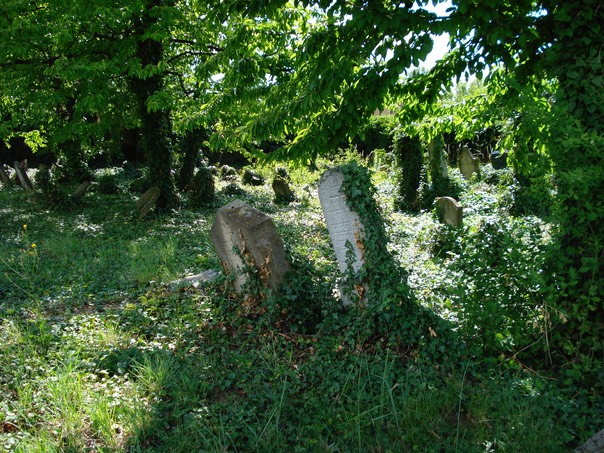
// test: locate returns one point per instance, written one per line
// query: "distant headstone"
(498, 160)
(283, 193)
(21, 171)
(147, 200)
(449, 211)
(244, 236)
(81, 190)
(344, 225)
(4, 177)
(468, 164)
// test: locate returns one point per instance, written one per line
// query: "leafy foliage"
(410, 159)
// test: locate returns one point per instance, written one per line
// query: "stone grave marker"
(4, 177)
(344, 225)
(254, 237)
(283, 193)
(81, 190)
(449, 211)
(21, 171)
(147, 201)
(468, 164)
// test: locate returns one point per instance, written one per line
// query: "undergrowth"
(101, 353)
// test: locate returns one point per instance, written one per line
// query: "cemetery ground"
(100, 352)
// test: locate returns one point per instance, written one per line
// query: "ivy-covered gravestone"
(356, 229)
(345, 229)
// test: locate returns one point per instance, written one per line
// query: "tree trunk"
(192, 143)
(156, 124)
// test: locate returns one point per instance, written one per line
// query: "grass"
(99, 354)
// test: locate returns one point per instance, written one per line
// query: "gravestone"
(147, 200)
(4, 177)
(498, 160)
(21, 171)
(468, 164)
(344, 226)
(449, 211)
(283, 193)
(81, 190)
(244, 236)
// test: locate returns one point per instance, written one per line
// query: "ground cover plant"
(101, 353)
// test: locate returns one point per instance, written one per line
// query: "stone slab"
(468, 164)
(147, 200)
(81, 190)
(244, 236)
(449, 211)
(195, 280)
(24, 180)
(344, 225)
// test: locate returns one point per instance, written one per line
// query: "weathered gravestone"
(449, 211)
(468, 164)
(4, 177)
(81, 190)
(283, 193)
(21, 171)
(147, 200)
(344, 225)
(244, 236)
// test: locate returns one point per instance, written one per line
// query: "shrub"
(252, 177)
(203, 189)
(282, 173)
(497, 286)
(107, 184)
(52, 194)
(378, 133)
(409, 155)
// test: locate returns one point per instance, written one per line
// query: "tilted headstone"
(21, 171)
(4, 177)
(81, 190)
(147, 200)
(449, 211)
(283, 193)
(468, 164)
(244, 236)
(344, 225)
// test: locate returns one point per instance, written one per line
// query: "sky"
(441, 41)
